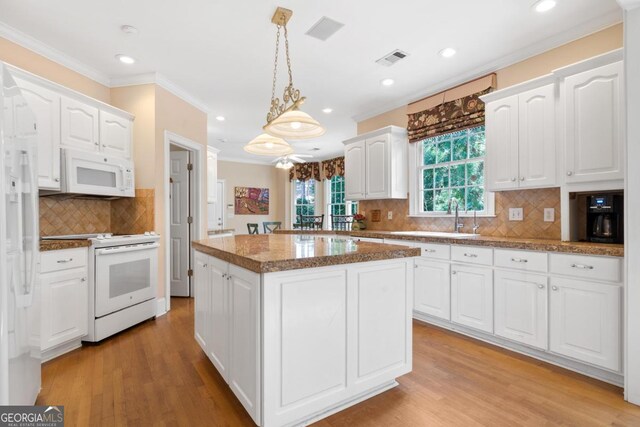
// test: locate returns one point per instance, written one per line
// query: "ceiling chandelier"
(284, 120)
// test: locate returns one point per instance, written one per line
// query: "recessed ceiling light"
(327, 110)
(220, 118)
(387, 82)
(125, 59)
(129, 29)
(447, 52)
(542, 6)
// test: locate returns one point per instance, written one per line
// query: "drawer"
(472, 254)
(434, 250)
(63, 259)
(589, 267)
(521, 260)
(400, 242)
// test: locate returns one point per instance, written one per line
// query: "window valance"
(305, 171)
(333, 167)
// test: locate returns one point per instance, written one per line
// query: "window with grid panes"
(452, 166)
(305, 198)
(337, 203)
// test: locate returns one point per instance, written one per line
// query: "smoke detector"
(391, 58)
(324, 28)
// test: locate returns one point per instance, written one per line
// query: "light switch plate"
(390, 215)
(549, 214)
(516, 214)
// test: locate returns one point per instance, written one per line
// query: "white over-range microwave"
(96, 174)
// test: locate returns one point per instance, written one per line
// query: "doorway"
(181, 209)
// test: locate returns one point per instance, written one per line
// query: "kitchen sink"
(435, 234)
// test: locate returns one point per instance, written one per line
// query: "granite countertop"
(55, 245)
(268, 253)
(544, 245)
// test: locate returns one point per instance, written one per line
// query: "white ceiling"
(221, 51)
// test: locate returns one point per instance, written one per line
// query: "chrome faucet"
(457, 225)
(475, 222)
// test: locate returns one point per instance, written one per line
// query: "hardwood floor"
(155, 374)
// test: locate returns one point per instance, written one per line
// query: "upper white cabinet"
(520, 132)
(212, 175)
(79, 125)
(376, 165)
(593, 104)
(115, 135)
(45, 104)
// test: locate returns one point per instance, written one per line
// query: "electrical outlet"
(516, 214)
(549, 214)
(390, 215)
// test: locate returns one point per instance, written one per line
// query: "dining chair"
(252, 228)
(311, 222)
(271, 226)
(341, 222)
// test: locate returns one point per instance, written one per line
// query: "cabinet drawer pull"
(430, 251)
(204, 265)
(582, 266)
(468, 255)
(519, 260)
(84, 279)
(64, 261)
(540, 286)
(453, 272)
(555, 288)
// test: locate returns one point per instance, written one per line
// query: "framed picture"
(251, 201)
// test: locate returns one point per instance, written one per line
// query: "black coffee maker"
(605, 217)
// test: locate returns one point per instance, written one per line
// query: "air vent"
(324, 28)
(392, 58)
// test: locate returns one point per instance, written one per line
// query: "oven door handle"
(122, 249)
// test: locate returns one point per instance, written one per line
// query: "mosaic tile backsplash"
(60, 215)
(533, 226)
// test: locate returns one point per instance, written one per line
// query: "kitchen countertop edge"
(56, 245)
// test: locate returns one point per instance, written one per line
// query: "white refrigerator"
(19, 249)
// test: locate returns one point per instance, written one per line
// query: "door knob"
(569, 173)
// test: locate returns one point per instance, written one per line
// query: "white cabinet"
(354, 165)
(79, 125)
(585, 320)
(45, 104)
(520, 136)
(432, 288)
(115, 135)
(227, 325)
(521, 307)
(472, 296)
(212, 175)
(594, 142)
(65, 299)
(376, 165)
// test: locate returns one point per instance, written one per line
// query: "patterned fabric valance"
(333, 167)
(305, 171)
(447, 117)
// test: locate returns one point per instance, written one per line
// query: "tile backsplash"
(533, 226)
(61, 215)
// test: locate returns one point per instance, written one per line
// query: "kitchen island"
(301, 327)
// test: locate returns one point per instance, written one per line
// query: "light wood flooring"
(155, 374)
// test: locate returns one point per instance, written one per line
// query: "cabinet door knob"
(513, 179)
(84, 279)
(569, 173)
(204, 265)
(540, 286)
(57, 179)
(97, 143)
(453, 272)
(224, 275)
(522, 178)
(555, 288)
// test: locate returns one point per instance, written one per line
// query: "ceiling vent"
(391, 58)
(324, 28)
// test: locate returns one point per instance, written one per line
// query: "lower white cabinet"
(472, 296)
(586, 321)
(227, 325)
(521, 307)
(64, 300)
(432, 288)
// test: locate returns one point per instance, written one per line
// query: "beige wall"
(30, 61)
(252, 175)
(536, 66)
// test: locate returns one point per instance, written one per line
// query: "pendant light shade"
(294, 124)
(267, 145)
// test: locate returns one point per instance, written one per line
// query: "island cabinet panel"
(332, 335)
(202, 298)
(218, 346)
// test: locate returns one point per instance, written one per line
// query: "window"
(337, 205)
(305, 198)
(452, 166)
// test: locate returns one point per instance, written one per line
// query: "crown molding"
(629, 4)
(54, 55)
(178, 91)
(235, 159)
(133, 80)
(547, 44)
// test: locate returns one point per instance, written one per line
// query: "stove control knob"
(146, 233)
(99, 237)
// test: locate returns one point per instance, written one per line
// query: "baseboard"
(58, 351)
(161, 310)
(570, 364)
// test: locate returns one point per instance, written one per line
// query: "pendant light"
(267, 145)
(286, 120)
